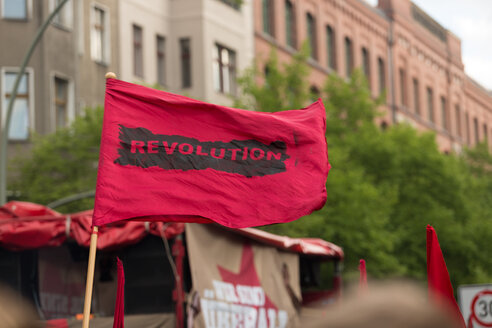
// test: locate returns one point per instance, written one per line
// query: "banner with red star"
(249, 285)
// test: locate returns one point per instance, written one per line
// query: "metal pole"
(5, 131)
(72, 198)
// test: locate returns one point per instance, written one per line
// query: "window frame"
(68, 10)
(416, 96)
(27, 17)
(349, 56)
(331, 58)
(290, 25)
(70, 105)
(457, 113)
(475, 130)
(402, 76)
(430, 104)
(138, 51)
(189, 78)
(106, 36)
(381, 75)
(366, 64)
(30, 103)
(312, 35)
(485, 133)
(267, 11)
(160, 59)
(444, 114)
(232, 69)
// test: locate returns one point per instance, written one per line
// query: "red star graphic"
(247, 275)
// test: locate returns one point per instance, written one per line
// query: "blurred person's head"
(391, 305)
(16, 312)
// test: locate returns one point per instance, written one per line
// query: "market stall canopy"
(25, 225)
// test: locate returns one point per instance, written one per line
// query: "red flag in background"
(119, 308)
(439, 284)
(363, 276)
(168, 157)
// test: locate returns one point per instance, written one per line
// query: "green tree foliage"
(282, 88)
(62, 164)
(386, 186)
(383, 189)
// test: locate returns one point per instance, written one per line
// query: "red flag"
(168, 157)
(363, 276)
(439, 284)
(119, 308)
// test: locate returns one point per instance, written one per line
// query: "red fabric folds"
(363, 276)
(166, 157)
(22, 229)
(119, 308)
(439, 283)
(29, 232)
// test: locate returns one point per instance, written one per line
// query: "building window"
(330, 47)
(403, 88)
(430, 105)
(458, 120)
(349, 60)
(224, 70)
(381, 75)
(137, 51)
(311, 35)
(475, 130)
(185, 49)
(366, 68)
(61, 102)
(161, 59)
(416, 96)
(467, 129)
(485, 133)
(14, 9)
(444, 114)
(268, 17)
(290, 24)
(64, 18)
(20, 120)
(100, 35)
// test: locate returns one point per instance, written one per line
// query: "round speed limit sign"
(482, 308)
(476, 305)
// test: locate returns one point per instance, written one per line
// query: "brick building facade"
(399, 47)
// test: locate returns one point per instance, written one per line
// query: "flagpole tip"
(110, 75)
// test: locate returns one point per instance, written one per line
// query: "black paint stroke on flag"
(140, 147)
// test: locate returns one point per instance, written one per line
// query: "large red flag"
(439, 284)
(168, 157)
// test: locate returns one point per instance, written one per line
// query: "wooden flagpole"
(92, 260)
(90, 277)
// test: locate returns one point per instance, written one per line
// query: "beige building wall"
(204, 22)
(153, 17)
(91, 70)
(63, 53)
(53, 57)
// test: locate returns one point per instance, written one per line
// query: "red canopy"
(26, 225)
